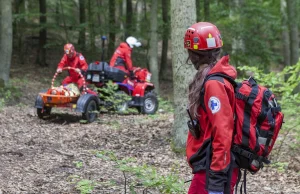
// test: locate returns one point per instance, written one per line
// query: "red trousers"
(122, 68)
(76, 80)
(198, 183)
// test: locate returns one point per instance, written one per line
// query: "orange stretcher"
(62, 95)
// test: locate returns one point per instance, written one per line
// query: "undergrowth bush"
(165, 105)
(144, 176)
(114, 98)
(9, 95)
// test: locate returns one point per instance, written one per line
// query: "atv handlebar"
(69, 68)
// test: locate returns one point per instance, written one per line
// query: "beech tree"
(181, 18)
(6, 38)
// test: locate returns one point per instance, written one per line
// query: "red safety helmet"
(202, 36)
(69, 49)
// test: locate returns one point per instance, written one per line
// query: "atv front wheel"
(150, 104)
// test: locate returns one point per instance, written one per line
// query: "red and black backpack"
(258, 120)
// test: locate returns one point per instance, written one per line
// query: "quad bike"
(68, 96)
(139, 88)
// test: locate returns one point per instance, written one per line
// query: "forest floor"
(58, 154)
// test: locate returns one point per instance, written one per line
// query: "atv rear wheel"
(43, 113)
(90, 112)
(150, 104)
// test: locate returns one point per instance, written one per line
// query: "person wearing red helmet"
(121, 58)
(212, 113)
(73, 59)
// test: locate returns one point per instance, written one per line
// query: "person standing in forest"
(73, 59)
(121, 58)
(212, 113)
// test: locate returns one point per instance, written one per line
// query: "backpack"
(258, 120)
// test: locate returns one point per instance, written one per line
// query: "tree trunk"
(26, 8)
(99, 2)
(5, 41)
(198, 10)
(153, 64)
(16, 10)
(112, 27)
(139, 10)
(122, 10)
(41, 57)
(57, 20)
(285, 35)
(91, 25)
(206, 10)
(181, 18)
(294, 35)
(293, 29)
(165, 36)
(64, 21)
(145, 10)
(17, 31)
(238, 45)
(129, 15)
(82, 20)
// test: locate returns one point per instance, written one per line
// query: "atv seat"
(102, 72)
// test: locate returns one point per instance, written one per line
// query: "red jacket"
(122, 53)
(217, 125)
(78, 61)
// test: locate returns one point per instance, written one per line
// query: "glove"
(215, 192)
(83, 72)
(131, 75)
(59, 70)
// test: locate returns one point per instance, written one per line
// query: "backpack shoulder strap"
(219, 77)
(227, 77)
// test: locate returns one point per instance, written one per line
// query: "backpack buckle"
(270, 133)
(238, 150)
(275, 110)
(234, 148)
(252, 81)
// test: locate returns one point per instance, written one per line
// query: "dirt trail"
(37, 156)
(40, 156)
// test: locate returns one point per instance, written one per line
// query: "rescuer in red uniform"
(73, 59)
(209, 141)
(121, 58)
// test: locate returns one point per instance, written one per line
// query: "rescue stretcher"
(68, 96)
